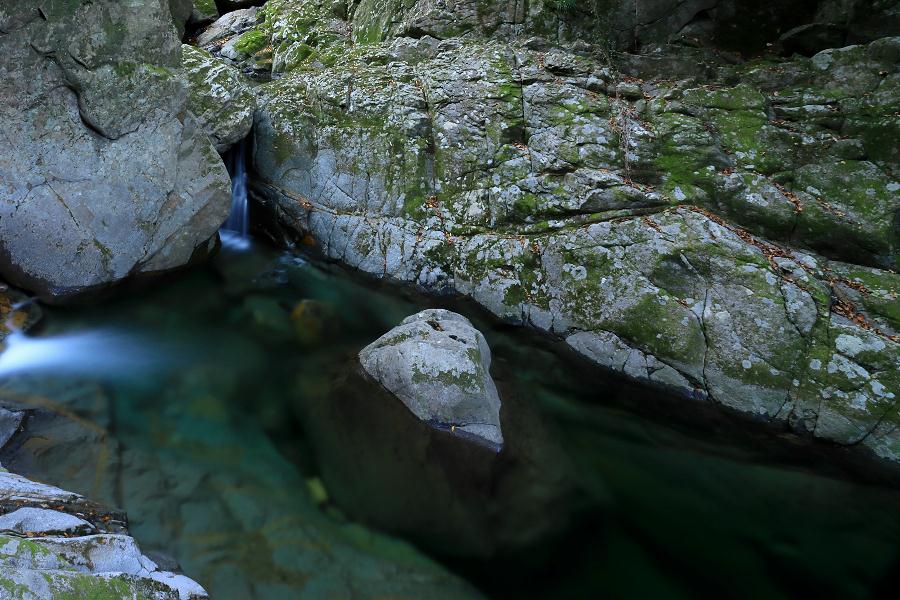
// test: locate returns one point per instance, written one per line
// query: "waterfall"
(234, 232)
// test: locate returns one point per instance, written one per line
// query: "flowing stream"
(202, 407)
(235, 231)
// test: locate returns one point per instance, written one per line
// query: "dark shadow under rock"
(386, 468)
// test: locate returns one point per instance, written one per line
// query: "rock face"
(48, 553)
(108, 174)
(203, 12)
(725, 229)
(307, 31)
(438, 365)
(220, 100)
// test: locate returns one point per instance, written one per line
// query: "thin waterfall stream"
(235, 231)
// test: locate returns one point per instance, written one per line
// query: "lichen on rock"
(438, 365)
(49, 553)
(219, 98)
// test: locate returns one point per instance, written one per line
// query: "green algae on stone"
(851, 208)
(219, 98)
(60, 585)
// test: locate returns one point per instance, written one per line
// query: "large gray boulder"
(398, 425)
(438, 365)
(108, 175)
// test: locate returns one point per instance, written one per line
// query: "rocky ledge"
(57, 544)
(719, 221)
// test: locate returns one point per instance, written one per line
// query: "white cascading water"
(234, 232)
(237, 220)
(98, 353)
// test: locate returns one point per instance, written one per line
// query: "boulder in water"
(438, 365)
(376, 454)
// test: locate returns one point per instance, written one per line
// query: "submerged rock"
(9, 424)
(314, 322)
(438, 365)
(240, 523)
(108, 175)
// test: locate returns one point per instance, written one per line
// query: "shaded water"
(222, 411)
